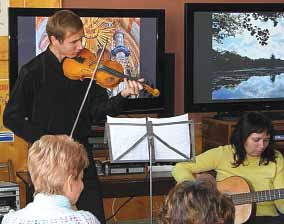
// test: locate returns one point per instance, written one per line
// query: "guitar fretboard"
(258, 196)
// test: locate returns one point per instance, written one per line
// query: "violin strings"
(87, 91)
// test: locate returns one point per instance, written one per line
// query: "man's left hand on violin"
(132, 87)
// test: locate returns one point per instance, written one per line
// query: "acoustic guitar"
(243, 198)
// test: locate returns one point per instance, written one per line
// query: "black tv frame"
(137, 106)
(230, 107)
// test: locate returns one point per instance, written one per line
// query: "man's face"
(71, 45)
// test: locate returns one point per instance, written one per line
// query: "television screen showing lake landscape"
(247, 57)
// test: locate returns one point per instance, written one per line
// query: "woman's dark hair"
(252, 122)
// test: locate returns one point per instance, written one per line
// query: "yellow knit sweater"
(261, 177)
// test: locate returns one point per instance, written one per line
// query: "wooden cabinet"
(218, 132)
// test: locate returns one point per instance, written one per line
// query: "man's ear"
(53, 40)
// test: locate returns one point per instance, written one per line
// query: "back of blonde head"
(53, 158)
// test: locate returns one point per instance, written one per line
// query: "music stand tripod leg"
(151, 150)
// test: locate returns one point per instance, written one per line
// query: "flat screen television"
(136, 40)
(234, 57)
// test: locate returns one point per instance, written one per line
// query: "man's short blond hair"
(53, 158)
(62, 22)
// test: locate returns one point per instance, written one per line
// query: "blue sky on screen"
(246, 45)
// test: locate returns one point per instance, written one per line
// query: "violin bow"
(87, 91)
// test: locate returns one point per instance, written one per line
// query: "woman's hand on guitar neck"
(132, 87)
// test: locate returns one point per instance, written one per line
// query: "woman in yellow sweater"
(251, 155)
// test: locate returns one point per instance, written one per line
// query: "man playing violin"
(45, 101)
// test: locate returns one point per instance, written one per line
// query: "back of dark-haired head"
(252, 122)
(226, 210)
(194, 202)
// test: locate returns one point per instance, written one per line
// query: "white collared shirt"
(49, 209)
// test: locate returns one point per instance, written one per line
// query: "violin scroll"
(149, 89)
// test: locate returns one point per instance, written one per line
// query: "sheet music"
(176, 135)
(122, 136)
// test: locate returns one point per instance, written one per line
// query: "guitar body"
(236, 185)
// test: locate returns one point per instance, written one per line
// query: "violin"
(108, 74)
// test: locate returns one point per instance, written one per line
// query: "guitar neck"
(258, 196)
